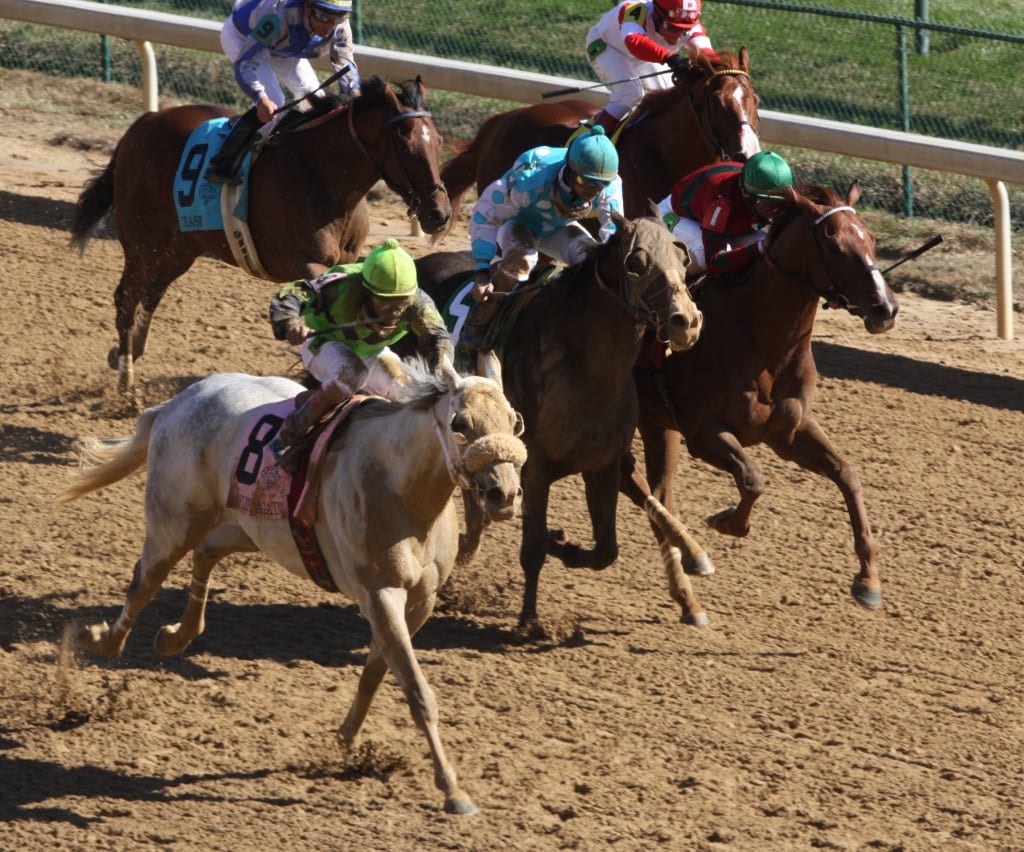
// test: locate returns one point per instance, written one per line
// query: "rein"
(408, 194)
(457, 472)
(831, 294)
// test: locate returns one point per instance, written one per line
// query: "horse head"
(645, 270)
(480, 432)
(840, 263)
(408, 154)
(725, 103)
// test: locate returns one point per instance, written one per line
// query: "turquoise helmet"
(593, 156)
(333, 7)
(389, 271)
(766, 174)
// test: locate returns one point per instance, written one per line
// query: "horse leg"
(223, 541)
(534, 547)
(136, 299)
(672, 540)
(150, 572)
(393, 624)
(810, 448)
(469, 541)
(720, 449)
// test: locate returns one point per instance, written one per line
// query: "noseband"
(408, 193)
(832, 293)
(710, 136)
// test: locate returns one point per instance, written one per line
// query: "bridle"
(405, 188)
(832, 294)
(642, 313)
(709, 134)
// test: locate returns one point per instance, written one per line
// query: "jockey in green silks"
(345, 320)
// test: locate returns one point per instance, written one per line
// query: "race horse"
(750, 378)
(307, 190)
(386, 522)
(709, 114)
(566, 364)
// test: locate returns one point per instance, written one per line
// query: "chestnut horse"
(567, 366)
(710, 114)
(307, 206)
(750, 378)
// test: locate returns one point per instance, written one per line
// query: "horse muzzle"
(499, 492)
(683, 330)
(434, 212)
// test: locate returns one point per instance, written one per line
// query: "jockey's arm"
(286, 312)
(432, 337)
(342, 54)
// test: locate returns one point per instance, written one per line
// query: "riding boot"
(223, 166)
(301, 422)
(608, 121)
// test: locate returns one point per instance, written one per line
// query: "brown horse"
(307, 206)
(567, 367)
(750, 378)
(710, 114)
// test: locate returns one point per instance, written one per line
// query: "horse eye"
(459, 425)
(637, 263)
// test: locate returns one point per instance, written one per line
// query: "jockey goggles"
(324, 17)
(590, 183)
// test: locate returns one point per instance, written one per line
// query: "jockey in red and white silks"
(639, 37)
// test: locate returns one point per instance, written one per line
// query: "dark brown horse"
(750, 378)
(710, 114)
(307, 206)
(567, 367)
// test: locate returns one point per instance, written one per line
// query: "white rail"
(995, 166)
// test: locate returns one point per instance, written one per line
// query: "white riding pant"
(690, 234)
(567, 245)
(611, 66)
(296, 75)
(336, 364)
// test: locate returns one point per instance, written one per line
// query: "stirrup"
(287, 455)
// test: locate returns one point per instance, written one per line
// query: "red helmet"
(679, 14)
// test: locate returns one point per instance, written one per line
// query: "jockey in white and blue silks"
(270, 44)
(535, 208)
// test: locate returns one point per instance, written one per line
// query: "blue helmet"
(593, 156)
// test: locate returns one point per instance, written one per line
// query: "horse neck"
(406, 459)
(346, 170)
(609, 337)
(783, 310)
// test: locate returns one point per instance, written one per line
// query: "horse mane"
(660, 100)
(798, 200)
(372, 91)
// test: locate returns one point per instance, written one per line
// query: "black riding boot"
(474, 332)
(223, 166)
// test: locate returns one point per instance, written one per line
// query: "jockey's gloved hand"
(678, 63)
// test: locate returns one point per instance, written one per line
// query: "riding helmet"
(679, 14)
(766, 174)
(593, 156)
(335, 7)
(389, 271)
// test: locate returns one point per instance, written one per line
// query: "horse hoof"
(112, 358)
(460, 804)
(866, 596)
(695, 619)
(701, 566)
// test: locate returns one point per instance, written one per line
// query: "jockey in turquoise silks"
(534, 208)
(345, 321)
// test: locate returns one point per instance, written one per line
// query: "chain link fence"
(879, 70)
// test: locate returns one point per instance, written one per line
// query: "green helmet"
(389, 271)
(593, 156)
(766, 174)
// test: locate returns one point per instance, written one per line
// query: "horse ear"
(744, 58)
(447, 371)
(853, 194)
(652, 209)
(618, 219)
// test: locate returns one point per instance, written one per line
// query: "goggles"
(591, 183)
(322, 16)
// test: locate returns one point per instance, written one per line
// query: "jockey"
(270, 43)
(634, 38)
(719, 211)
(536, 207)
(345, 320)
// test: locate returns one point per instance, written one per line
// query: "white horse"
(386, 522)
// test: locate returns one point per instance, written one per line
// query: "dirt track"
(795, 720)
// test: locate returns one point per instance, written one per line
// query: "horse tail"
(105, 462)
(94, 203)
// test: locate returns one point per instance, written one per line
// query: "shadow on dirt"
(836, 361)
